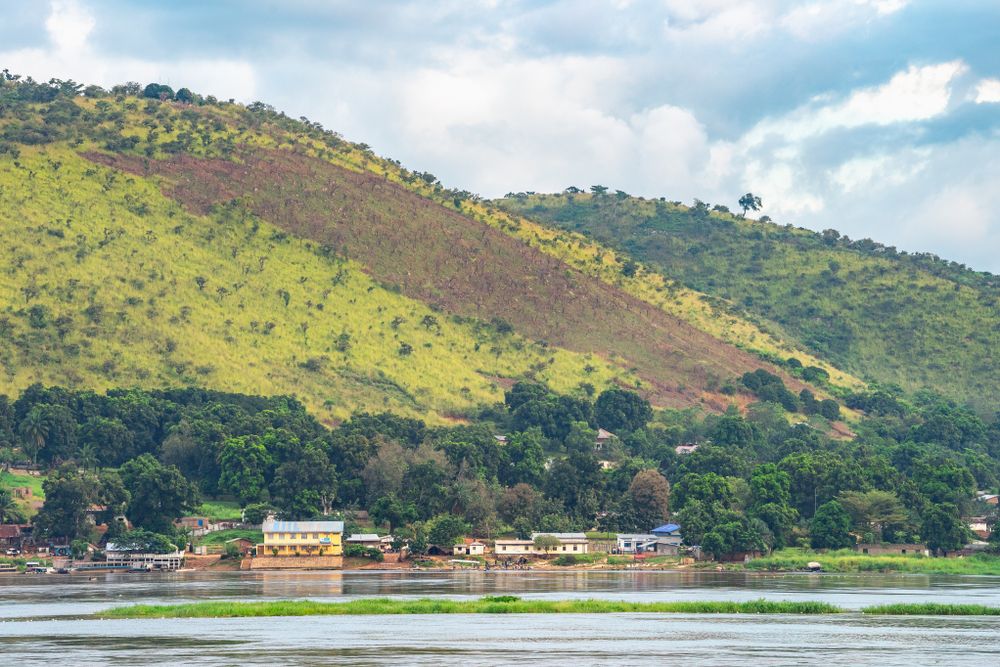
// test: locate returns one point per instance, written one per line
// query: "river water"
(36, 624)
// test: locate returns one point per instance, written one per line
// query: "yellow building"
(303, 538)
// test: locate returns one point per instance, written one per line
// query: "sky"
(878, 118)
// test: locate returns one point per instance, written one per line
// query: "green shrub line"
(488, 605)
(931, 609)
(847, 560)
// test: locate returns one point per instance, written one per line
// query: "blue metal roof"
(667, 528)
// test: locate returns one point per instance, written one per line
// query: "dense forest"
(884, 314)
(755, 482)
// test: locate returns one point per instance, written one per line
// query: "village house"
(603, 438)
(10, 536)
(988, 498)
(978, 525)
(243, 545)
(301, 538)
(629, 543)
(893, 549)
(569, 543)
(367, 540)
(687, 448)
(469, 547)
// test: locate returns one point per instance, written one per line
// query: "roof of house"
(10, 530)
(363, 537)
(604, 435)
(240, 539)
(667, 528)
(563, 537)
(637, 536)
(272, 526)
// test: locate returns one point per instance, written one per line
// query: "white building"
(143, 561)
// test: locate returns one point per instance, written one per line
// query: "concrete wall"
(296, 562)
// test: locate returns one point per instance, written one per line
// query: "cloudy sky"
(880, 118)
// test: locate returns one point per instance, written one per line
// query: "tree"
(111, 441)
(68, 494)
(830, 527)
(159, 493)
(34, 430)
(648, 495)
(391, 510)
(243, 462)
(622, 410)
(750, 202)
(871, 511)
(184, 95)
(306, 485)
(257, 512)
(546, 542)
(444, 529)
(144, 541)
(943, 529)
(9, 511)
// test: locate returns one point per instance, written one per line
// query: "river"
(32, 633)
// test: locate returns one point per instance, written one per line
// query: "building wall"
(302, 544)
(299, 563)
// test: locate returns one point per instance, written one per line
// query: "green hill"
(159, 243)
(885, 315)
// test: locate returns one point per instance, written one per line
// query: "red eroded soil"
(441, 257)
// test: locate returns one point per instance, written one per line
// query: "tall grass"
(846, 560)
(486, 605)
(931, 609)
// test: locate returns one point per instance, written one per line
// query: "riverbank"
(506, 604)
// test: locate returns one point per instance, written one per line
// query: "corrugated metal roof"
(667, 528)
(623, 536)
(363, 537)
(562, 536)
(303, 527)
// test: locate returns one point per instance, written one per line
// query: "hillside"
(884, 315)
(158, 243)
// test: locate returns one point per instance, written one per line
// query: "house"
(569, 543)
(301, 538)
(469, 547)
(629, 543)
(603, 438)
(245, 546)
(893, 549)
(367, 540)
(192, 522)
(668, 530)
(978, 525)
(501, 439)
(988, 498)
(120, 557)
(385, 543)
(10, 536)
(687, 448)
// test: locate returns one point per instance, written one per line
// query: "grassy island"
(488, 605)
(848, 560)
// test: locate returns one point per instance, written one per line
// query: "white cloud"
(918, 93)
(988, 91)
(70, 55)
(874, 172)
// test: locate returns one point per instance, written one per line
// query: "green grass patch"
(488, 605)
(931, 609)
(846, 560)
(220, 510)
(9, 480)
(222, 536)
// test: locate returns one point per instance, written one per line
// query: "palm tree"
(8, 508)
(34, 430)
(87, 456)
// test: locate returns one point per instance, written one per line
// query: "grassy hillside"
(109, 283)
(153, 243)
(884, 315)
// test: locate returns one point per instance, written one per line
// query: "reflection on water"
(550, 639)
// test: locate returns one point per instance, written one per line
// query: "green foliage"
(830, 527)
(359, 551)
(159, 494)
(906, 318)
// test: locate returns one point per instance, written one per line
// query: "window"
(574, 547)
(503, 547)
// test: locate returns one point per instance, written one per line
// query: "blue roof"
(667, 528)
